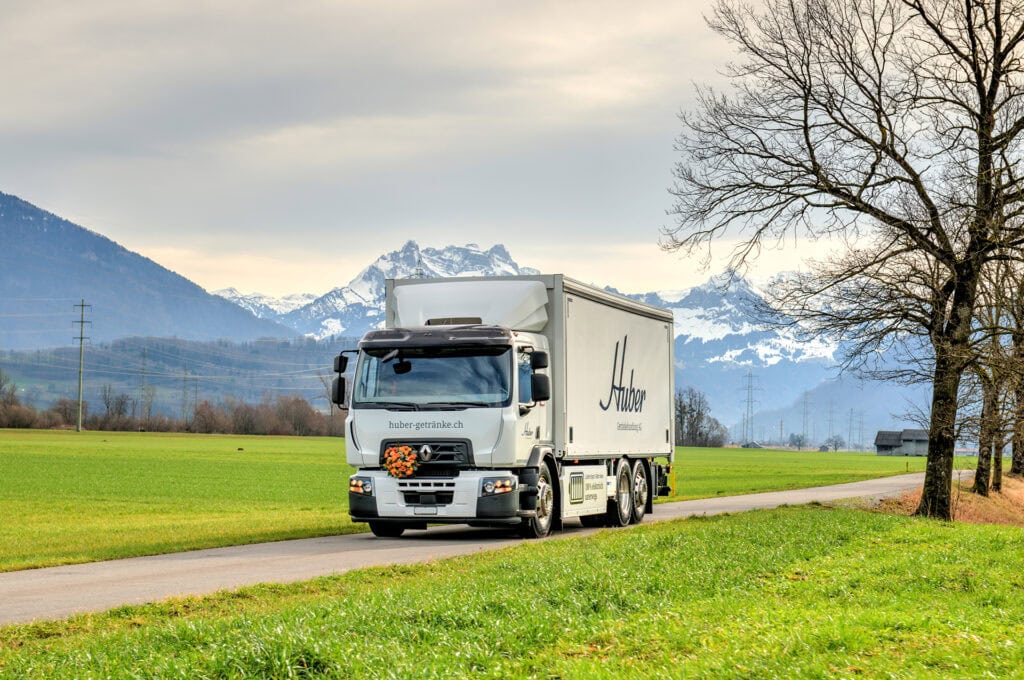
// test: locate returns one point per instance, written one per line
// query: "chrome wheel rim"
(545, 499)
(639, 487)
(623, 492)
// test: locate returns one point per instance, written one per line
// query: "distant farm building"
(902, 443)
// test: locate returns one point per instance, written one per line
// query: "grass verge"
(795, 592)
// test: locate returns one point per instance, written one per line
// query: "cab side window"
(525, 373)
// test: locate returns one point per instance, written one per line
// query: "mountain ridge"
(48, 263)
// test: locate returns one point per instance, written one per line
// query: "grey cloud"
(300, 121)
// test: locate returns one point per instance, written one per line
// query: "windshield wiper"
(456, 405)
(398, 405)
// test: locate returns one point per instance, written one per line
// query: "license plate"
(424, 511)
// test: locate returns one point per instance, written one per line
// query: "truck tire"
(386, 529)
(620, 507)
(641, 491)
(540, 524)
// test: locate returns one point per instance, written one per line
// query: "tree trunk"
(986, 440)
(951, 342)
(938, 475)
(1017, 465)
(997, 468)
(998, 433)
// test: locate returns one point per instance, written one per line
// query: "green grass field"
(702, 473)
(71, 497)
(796, 592)
(74, 497)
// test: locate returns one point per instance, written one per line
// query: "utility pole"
(81, 356)
(782, 424)
(142, 391)
(184, 391)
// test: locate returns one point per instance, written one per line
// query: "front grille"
(446, 458)
(427, 492)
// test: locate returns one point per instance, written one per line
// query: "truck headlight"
(492, 486)
(360, 485)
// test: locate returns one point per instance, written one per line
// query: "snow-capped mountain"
(792, 382)
(718, 343)
(266, 306)
(716, 315)
(356, 308)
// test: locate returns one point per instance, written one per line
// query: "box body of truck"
(517, 401)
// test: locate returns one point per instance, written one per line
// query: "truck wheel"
(386, 529)
(640, 491)
(539, 525)
(620, 508)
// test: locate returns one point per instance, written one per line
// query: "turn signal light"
(360, 485)
(493, 487)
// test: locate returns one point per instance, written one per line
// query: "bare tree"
(835, 442)
(67, 410)
(892, 126)
(8, 390)
(695, 425)
(116, 404)
(1016, 318)
(996, 368)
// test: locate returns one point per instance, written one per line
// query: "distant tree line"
(172, 375)
(694, 424)
(280, 415)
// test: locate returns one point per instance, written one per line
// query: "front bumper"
(455, 500)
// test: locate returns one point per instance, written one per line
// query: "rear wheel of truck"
(641, 491)
(386, 529)
(620, 508)
(539, 525)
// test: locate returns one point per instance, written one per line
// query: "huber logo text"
(627, 399)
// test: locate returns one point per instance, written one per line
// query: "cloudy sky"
(281, 147)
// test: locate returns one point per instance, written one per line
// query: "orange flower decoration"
(400, 461)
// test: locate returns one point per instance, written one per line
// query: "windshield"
(434, 377)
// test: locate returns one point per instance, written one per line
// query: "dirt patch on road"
(1006, 507)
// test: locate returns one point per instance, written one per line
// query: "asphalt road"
(59, 592)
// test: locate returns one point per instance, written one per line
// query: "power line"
(748, 415)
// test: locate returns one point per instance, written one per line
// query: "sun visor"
(519, 305)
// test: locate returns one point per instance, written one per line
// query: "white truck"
(515, 401)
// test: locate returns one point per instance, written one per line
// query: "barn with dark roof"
(901, 442)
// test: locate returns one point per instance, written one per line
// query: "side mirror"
(540, 387)
(538, 360)
(340, 363)
(338, 392)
